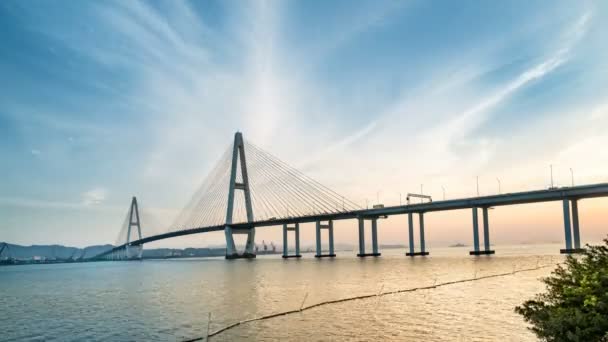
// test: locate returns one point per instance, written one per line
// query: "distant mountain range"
(63, 253)
(59, 253)
(50, 252)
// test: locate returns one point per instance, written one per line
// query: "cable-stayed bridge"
(250, 188)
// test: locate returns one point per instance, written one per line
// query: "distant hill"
(58, 252)
(53, 252)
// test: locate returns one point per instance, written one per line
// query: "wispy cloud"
(29, 203)
(599, 112)
(338, 146)
(412, 131)
(473, 117)
(94, 196)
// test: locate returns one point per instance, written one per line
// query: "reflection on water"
(170, 299)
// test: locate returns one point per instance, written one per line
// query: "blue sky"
(102, 100)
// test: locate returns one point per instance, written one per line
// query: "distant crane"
(265, 247)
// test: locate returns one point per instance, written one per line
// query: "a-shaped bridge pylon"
(238, 157)
(247, 187)
(131, 226)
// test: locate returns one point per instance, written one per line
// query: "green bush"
(575, 306)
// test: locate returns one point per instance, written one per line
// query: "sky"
(104, 100)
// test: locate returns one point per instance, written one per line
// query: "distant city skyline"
(105, 100)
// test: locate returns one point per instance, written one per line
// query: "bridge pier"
(134, 252)
(486, 233)
(118, 255)
(571, 227)
(375, 252)
(296, 230)
(121, 254)
(410, 219)
(231, 252)
(330, 232)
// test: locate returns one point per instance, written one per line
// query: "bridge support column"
(412, 248)
(318, 236)
(574, 225)
(567, 228)
(422, 242)
(410, 224)
(285, 241)
(133, 222)
(486, 230)
(361, 236)
(486, 234)
(475, 250)
(330, 232)
(374, 236)
(296, 230)
(375, 252)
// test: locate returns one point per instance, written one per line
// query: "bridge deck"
(547, 195)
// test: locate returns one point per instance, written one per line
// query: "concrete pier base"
(291, 256)
(240, 256)
(416, 254)
(325, 256)
(571, 250)
(363, 255)
(481, 252)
